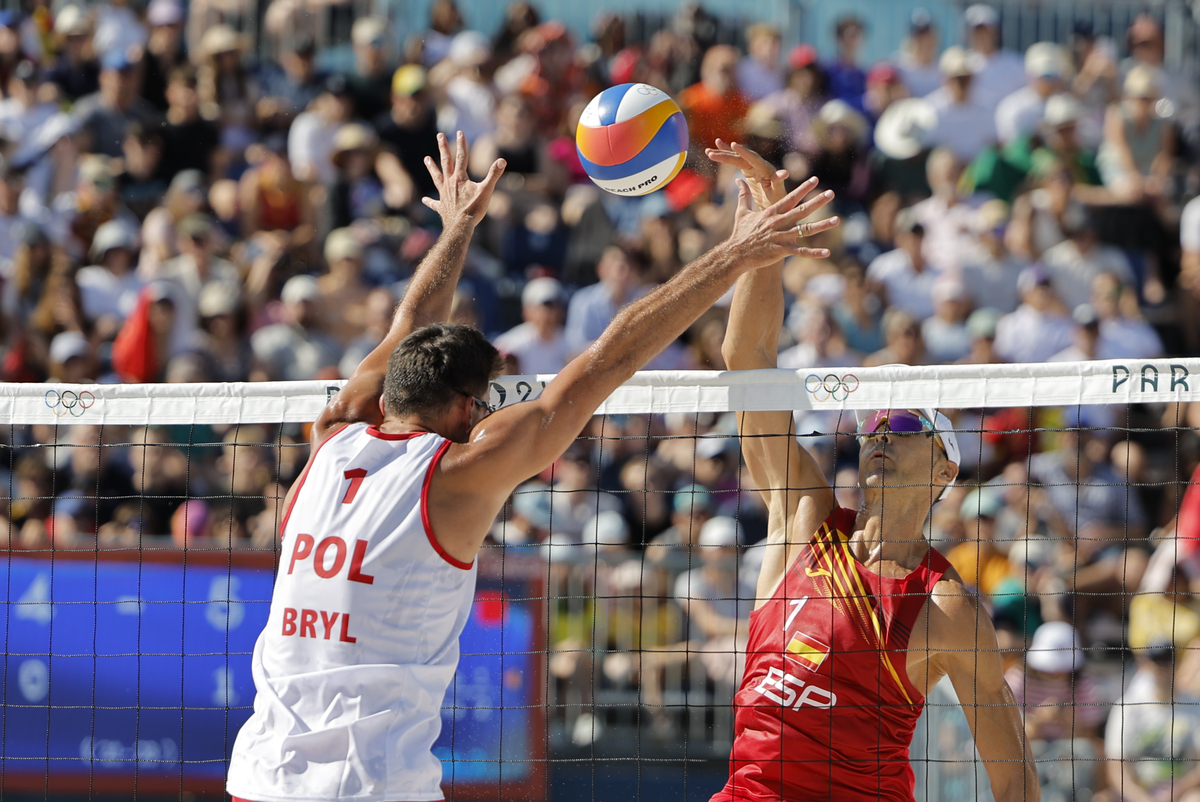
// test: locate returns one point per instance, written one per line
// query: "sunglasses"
(479, 402)
(898, 421)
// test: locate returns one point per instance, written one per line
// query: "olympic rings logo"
(69, 402)
(831, 386)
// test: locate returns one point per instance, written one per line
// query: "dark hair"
(434, 364)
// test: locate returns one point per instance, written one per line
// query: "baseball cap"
(907, 222)
(954, 63)
(1062, 109)
(920, 20)
(66, 345)
(905, 128)
(342, 244)
(1085, 315)
(691, 497)
(368, 31)
(116, 60)
(218, 298)
(195, 226)
(720, 531)
(164, 12)
(532, 502)
(300, 288)
(982, 502)
(980, 14)
(469, 49)
(1045, 60)
(1056, 648)
(540, 291)
(802, 56)
(113, 234)
(71, 21)
(606, 529)
(408, 79)
(1033, 276)
(982, 323)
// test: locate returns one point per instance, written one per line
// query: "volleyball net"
(608, 635)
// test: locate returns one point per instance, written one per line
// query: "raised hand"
(459, 198)
(764, 237)
(766, 183)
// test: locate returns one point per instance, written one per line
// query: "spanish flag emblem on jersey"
(807, 651)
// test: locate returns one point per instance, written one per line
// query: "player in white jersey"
(407, 474)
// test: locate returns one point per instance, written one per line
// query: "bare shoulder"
(956, 616)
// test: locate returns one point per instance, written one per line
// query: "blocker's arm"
(475, 478)
(971, 657)
(462, 204)
(788, 478)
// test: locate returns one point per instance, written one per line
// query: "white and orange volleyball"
(632, 139)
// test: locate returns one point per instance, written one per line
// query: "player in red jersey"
(857, 616)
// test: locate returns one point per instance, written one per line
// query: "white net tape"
(943, 386)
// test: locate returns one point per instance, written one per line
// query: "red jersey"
(826, 709)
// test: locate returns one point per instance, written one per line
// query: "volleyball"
(632, 139)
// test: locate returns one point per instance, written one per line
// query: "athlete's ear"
(947, 471)
(382, 408)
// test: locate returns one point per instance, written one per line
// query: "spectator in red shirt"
(714, 108)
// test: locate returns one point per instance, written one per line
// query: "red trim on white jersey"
(374, 432)
(304, 475)
(433, 541)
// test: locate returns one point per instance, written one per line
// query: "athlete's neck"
(891, 528)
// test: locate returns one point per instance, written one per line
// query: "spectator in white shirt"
(820, 345)
(991, 277)
(918, 57)
(998, 72)
(1147, 47)
(1040, 327)
(903, 273)
(1020, 113)
(539, 344)
(758, 74)
(109, 288)
(949, 221)
(1074, 263)
(964, 125)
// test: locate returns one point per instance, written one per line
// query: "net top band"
(943, 386)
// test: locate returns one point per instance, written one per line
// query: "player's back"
(362, 639)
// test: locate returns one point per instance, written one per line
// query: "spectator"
(290, 88)
(190, 142)
(949, 219)
(1020, 114)
(109, 288)
(380, 305)
(298, 348)
(1075, 263)
(360, 190)
(371, 80)
(514, 140)
(799, 101)
(945, 333)
(964, 125)
(978, 559)
(227, 92)
(1124, 333)
(1136, 156)
(118, 29)
(991, 276)
(160, 242)
(905, 276)
(847, 80)
(593, 307)
(575, 500)
(714, 107)
(77, 215)
(470, 104)
(918, 57)
(691, 509)
(758, 74)
(196, 266)
(1062, 707)
(70, 358)
(26, 276)
(224, 343)
(902, 335)
(343, 291)
(839, 131)
(76, 71)
(270, 196)
(164, 50)
(1040, 327)
(141, 184)
(539, 344)
(981, 326)
(105, 116)
(820, 344)
(1147, 48)
(310, 140)
(858, 312)
(999, 72)
(1151, 740)
(409, 129)
(25, 109)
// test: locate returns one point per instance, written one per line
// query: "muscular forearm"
(755, 319)
(431, 289)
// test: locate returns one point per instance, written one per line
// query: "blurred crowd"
(175, 207)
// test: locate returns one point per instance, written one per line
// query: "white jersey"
(362, 638)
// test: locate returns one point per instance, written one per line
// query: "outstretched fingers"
(444, 153)
(460, 157)
(793, 216)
